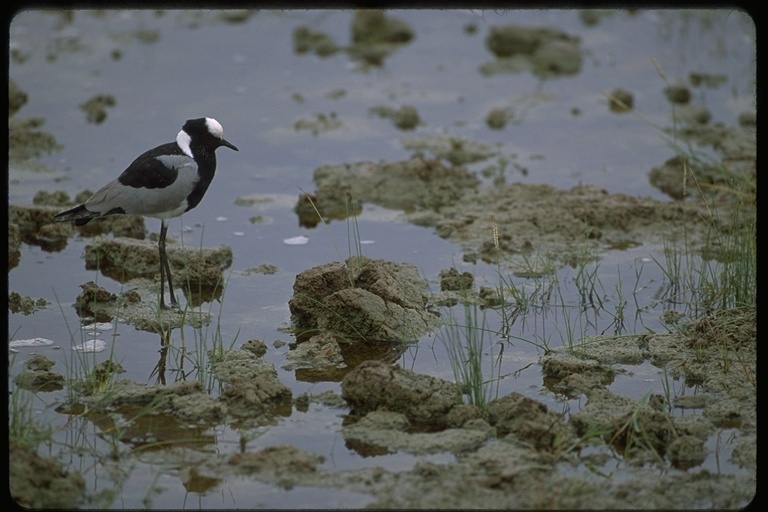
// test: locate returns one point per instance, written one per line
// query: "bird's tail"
(79, 214)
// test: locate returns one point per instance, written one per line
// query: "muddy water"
(473, 146)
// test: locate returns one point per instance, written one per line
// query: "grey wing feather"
(139, 193)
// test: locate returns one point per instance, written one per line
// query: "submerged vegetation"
(701, 277)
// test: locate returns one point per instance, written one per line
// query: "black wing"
(149, 172)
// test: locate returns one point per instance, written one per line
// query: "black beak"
(228, 144)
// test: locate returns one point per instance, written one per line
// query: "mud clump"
(253, 389)
(542, 50)
(620, 101)
(370, 26)
(365, 300)
(127, 392)
(417, 184)
(256, 347)
(497, 118)
(570, 375)
(364, 309)
(414, 184)
(136, 306)
(96, 107)
(686, 452)
(528, 226)
(313, 286)
(306, 40)
(127, 258)
(522, 223)
(638, 430)
(38, 376)
(25, 305)
(669, 178)
(528, 420)
(694, 116)
(733, 179)
(285, 465)
(93, 293)
(404, 118)
(318, 123)
(374, 36)
(56, 198)
(677, 94)
(35, 224)
(14, 245)
(453, 280)
(124, 259)
(375, 385)
(509, 40)
(201, 409)
(457, 151)
(17, 98)
(321, 351)
(95, 301)
(39, 482)
(158, 412)
(385, 431)
(27, 143)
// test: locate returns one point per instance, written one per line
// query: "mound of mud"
(409, 185)
(124, 259)
(366, 299)
(544, 51)
(374, 385)
(518, 221)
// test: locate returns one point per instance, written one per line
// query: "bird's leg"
(165, 269)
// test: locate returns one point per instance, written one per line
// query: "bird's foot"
(173, 307)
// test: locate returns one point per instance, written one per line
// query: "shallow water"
(163, 68)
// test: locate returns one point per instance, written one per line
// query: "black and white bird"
(162, 183)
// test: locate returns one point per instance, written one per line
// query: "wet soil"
(517, 453)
